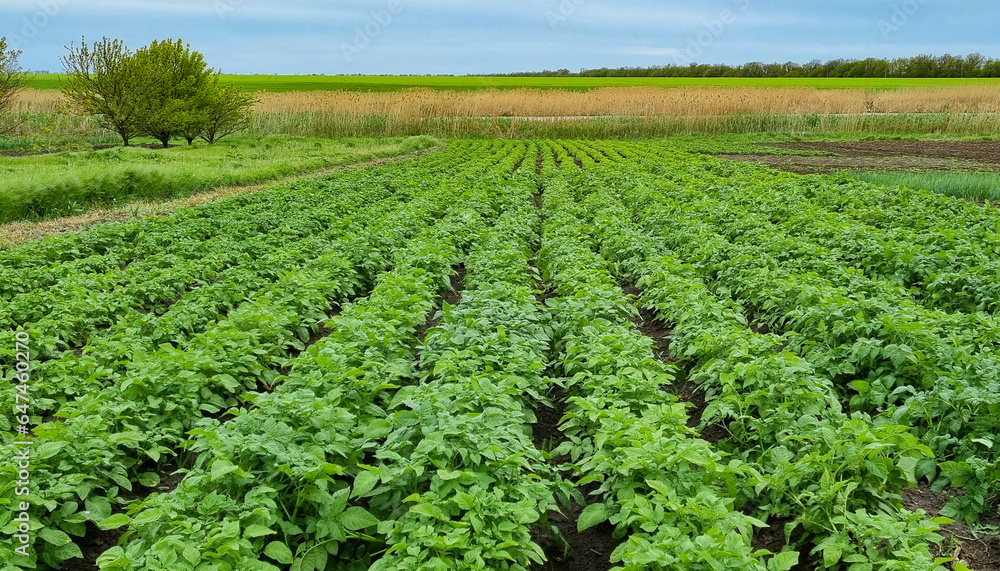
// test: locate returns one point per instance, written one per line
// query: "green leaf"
(909, 467)
(54, 536)
(256, 530)
(378, 429)
(783, 561)
(98, 508)
(221, 467)
(428, 510)
(592, 515)
(121, 480)
(364, 482)
(49, 449)
(114, 522)
(695, 457)
(148, 516)
(65, 552)
(279, 552)
(831, 554)
(356, 517)
(192, 555)
(313, 560)
(149, 479)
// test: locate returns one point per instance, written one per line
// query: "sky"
(496, 36)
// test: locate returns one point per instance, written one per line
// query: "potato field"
(512, 355)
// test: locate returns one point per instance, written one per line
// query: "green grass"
(50, 185)
(374, 125)
(980, 186)
(278, 83)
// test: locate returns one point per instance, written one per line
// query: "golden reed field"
(611, 101)
(614, 111)
(636, 101)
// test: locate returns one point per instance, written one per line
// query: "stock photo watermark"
(22, 459)
(902, 13)
(714, 28)
(31, 26)
(377, 22)
(563, 12)
(224, 7)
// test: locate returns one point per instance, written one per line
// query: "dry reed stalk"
(605, 112)
(39, 100)
(636, 101)
(609, 101)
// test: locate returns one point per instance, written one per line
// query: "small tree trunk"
(165, 139)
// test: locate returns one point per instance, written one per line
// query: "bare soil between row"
(880, 155)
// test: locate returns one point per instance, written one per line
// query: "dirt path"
(883, 155)
(15, 233)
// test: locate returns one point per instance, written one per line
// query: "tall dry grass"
(608, 101)
(612, 111)
(39, 101)
(636, 101)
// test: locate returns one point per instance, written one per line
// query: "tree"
(177, 103)
(229, 111)
(163, 90)
(974, 65)
(12, 82)
(197, 117)
(104, 80)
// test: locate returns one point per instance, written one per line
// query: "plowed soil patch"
(882, 155)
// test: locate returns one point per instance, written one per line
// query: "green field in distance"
(279, 83)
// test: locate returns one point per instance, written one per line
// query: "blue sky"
(485, 36)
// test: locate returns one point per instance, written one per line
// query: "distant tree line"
(163, 90)
(922, 66)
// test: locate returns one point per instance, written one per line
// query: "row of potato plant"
(912, 366)
(281, 476)
(337, 393)
(836, 476)
(945, 262)
(74, 372)
(669, 493)
(732, 206)
(113, 438)
(465, 485)
(70, 373)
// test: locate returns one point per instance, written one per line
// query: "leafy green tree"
(229, 111)
(198, 116)
(12, 82)
(103, 80)
(181, 83)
